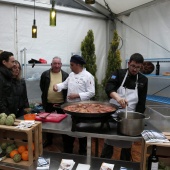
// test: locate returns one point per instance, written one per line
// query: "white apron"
(132, 98)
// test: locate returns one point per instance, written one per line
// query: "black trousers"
(108, 150)
(49, 108)
(68, 142)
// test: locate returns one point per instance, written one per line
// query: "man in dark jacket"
(126, 88)
(7, 103)
(49, 97)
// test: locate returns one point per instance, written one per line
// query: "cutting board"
(53, 117)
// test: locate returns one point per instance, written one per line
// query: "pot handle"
(116, 119)
(147, 117)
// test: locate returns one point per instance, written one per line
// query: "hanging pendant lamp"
(34, 27)
(53, 14)
(89, 1)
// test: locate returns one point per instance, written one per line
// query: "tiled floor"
(58, 147)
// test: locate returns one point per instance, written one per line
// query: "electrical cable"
(121, 43)
(161, 90)
(34, 9)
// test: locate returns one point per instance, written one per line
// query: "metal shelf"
(155, 59)
(157, 76)
(39, 64)
(159, 99)
(158, 59)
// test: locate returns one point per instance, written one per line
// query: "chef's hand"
(73, 96)
(123, 102)
(55, 88)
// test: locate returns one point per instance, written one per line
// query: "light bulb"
(53, 17)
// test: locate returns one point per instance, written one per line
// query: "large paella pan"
(89, 109)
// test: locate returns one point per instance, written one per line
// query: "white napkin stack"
(66, 164)
(153, 136)
(83, 167)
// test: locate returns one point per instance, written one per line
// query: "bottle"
(153, 160)
(157, 68)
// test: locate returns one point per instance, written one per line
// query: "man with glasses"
(126, 87)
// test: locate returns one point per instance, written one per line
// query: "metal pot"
(133, 125)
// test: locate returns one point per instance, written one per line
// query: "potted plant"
(88, 52)
(114, 58)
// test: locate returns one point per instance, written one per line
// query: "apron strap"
(136, 82)
(125, 79)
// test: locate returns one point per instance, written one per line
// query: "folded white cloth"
(66, 164)
(83, 167)
(25, 124)
(106, 166)
(153, 136)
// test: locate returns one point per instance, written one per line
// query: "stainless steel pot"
(133, 125)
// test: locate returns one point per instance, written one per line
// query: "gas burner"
(102, 120)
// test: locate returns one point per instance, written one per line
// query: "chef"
(126, 87)
(81, 87)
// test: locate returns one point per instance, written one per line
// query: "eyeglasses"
(135, 67)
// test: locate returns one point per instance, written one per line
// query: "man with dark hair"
(138, 58)
(80, 85)
(7, 103)
(49, 97)
(126, 87)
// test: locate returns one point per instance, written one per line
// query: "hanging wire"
(113, 16)
(34, 9)
(161, 90)
(121, 43)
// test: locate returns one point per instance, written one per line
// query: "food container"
(91, 114)
(29, 116)
(26, 137)
(88, 114)
(132, 125)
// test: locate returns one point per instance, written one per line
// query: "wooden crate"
(26, 136)
(163, 149)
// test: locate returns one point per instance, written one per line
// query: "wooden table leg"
(96, 146)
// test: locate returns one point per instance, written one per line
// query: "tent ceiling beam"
(95, 8)
(58, 8)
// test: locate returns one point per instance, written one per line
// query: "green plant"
(88, 52)
(101, 95)
(113, 59)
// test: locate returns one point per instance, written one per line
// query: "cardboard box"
(26, 136)
(165, 161)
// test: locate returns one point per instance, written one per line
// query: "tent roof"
(118, 7)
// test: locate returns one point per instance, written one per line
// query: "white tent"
(142, 24)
